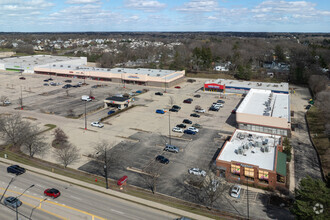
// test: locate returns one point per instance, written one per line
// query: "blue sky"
(165, 15)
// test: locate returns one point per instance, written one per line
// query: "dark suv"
(162, 159)
(176, 107)
(181, 126)
(15, 169)
(159, 93)
(186, 121)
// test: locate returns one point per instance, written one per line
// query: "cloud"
(148, 6)
(199, 6)
(82, 1)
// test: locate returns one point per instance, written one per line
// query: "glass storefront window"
(249, 172)
(235, 169)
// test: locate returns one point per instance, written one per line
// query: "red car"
(52, 193)
(177, 87)
(92, 97)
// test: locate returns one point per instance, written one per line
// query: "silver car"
(197, 172)
(97, 124)
(235, 191)
(12, 202)
(171, 148)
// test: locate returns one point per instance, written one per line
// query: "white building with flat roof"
(265, 111)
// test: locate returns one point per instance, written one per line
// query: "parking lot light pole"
(169, 126)
(20, 196)
(85, 115)
(12, 180)
(106, 169)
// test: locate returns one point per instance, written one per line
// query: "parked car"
(173, 110)
(213, 109)
(217, 105)
(97, 124)
(162, 159)
(111, 112)
(176, 107)
(15, 169)
(6, 102)
(235, 191)
(160, 111)
(92, 97)
(46, 80)
(221, 101)
(80, 83)
(193, 129)
(189, 132)
(50, 79)
(195, 115)
(191, 80)
(308, 107)
(177, 129)
(177, 87)
(12, 202)
(171, 148)
(94, 86)
(187, 101)
(200, 110)
(159, 93)
(214, 185)
(197, 172)
(138, 91)
(181, 126)
(86, 98)
(190, 99)
(197, 96)
(46, 84)
(187, 121)
(197, 125)
(68, 81)
(52, 83)
(67, 86)
(22, 78)
(52, 193)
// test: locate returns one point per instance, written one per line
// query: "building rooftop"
(251, 148)
(266, 103)
(25, 61)
(277, 87)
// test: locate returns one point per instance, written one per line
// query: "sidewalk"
(110, 192)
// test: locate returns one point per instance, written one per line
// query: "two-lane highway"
(74, 203)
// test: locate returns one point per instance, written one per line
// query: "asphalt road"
(74, 203)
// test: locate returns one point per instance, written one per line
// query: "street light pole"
(106, 169)
(36, 207)
(85, 115)
(20, 196)
(247, 197)
(12, 179)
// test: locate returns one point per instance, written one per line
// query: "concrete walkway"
(110, 192)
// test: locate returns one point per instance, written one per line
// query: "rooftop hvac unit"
(267, 149)
(262, 149)
(240, 150)
(266, 114)
(265, 141)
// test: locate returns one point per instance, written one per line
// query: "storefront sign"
(243, 165)
(134, 77)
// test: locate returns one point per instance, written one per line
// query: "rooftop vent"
(119, 70)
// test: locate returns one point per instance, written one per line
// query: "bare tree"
(171, 101)
(151, 177)
(33, 142)
(13, 129)
(67, 155)
(59, 137)
(318, 83)
(3, 99)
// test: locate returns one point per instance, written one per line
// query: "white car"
(235, 191)
(218, 105)
(97, 124)
(193, 129)
(197, 172)
(200, 110)
(7, 102)
(176, 129)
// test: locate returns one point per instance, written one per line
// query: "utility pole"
(106, 168)
(85, 115)
(20, 196)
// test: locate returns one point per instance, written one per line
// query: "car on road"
(177, 87)
(97, 124)
(187, 101)
(160, 111)
(68, 81)
(193, 129)
(176, 107)
(221, 101)
(171, 148)
(12, 202)
(183, 218)
(46, 84)
(197, 172)
(177, 129)
(189, 132)
(200, 110)
(187, 121)
(197, 96)
(159, 93)
(111, 112)
(22, 78)
(235, 191)
(181, 126)
(195, 115)
(173, 110)
(15, 169)
(162, 159)
(308, 107)
(52, 193)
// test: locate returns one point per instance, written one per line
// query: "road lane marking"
(119, 212)
(76, 198)
(46, 211)
(58, 204)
